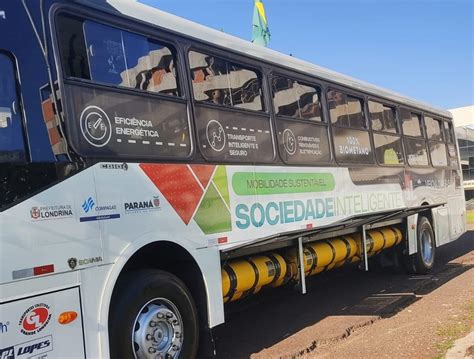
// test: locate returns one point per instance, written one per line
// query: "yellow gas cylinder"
(291, 257)
(247, 276)
(332, 251)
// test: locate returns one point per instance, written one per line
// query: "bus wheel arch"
(170, 261)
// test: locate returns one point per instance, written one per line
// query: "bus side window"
(387, 140)
(346, 110)
(415, 143)
(105, 54)
(12, 145)
(449, 138)
(351, 138)
(294, 99)
(229, 113)
(302, 133)
(438, 150)
(222, 82)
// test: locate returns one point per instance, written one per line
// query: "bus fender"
(208, 260)
(411, 233)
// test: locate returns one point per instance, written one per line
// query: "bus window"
(345, 110)
(382, 117)
(351, 143)
(433, 129)
(415, 143)
(294, 99)
(222, 82)
(225, 134)
(438, 154)
(438, 150)
(105, 54)
(388, 149)
(388, 143)
(302, 135)
(73, 47)
(448, 128)
(411, 123)
(416, 152)
(12, 146)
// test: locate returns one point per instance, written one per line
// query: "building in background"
(464, 123)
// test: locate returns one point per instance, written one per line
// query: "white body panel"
(116, 234)
(33, 330)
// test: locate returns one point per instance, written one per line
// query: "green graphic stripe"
(213, 215)
(220, 181)
(262, 183)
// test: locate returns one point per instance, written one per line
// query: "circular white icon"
(95, 126)
(215, 135)
(289, 141)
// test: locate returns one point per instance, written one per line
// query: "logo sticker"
(114, 166)
(95, 126)
(143, 206)
(51, 212)
(289, 141)
(215, 135)
(88, 204)
(28, 349)
(89, 207)
(35, 319)
(72, 262)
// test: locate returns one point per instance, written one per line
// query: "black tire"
(423, 260)
(132, 294)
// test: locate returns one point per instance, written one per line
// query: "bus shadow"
(266, 319)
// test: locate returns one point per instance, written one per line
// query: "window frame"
(398, 132)
(246, 62)
(442, 141)
(225, 56)
(138, 28)
(182, 43)
(171, 43)
(317, 86)
(21, 110)
(353, 94)
(455, 143)
(278, 72)
(364, 98)
(421, 138)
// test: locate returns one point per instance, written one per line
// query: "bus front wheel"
(423, 260)
(153, 315)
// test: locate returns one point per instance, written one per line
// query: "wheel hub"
(158, 331)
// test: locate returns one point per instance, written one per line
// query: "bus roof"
(188, 28)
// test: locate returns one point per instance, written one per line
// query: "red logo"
(35, 213)
(35, 319)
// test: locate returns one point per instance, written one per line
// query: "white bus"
(153, 169)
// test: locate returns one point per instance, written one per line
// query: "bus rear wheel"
(423, 260)
(153, 315)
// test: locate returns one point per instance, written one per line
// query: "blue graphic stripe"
(99, 218)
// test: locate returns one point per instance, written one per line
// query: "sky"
(420, 48)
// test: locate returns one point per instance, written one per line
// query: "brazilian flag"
(260, 32)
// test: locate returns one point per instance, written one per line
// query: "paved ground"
(350, 313)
